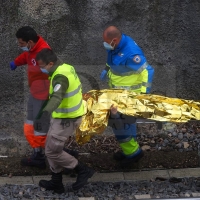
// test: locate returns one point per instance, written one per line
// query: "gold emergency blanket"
(148, 106)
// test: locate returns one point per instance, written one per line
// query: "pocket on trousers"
(55, 144)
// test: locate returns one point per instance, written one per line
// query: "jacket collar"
(121, 43)
(37, 44)
(55, 66)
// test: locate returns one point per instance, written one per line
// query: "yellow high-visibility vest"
(72, 104)
(135, 81)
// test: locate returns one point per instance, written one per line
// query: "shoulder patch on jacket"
(57, 87)
(136, 59)
(120, 54)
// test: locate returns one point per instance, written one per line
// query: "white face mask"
(108, 46)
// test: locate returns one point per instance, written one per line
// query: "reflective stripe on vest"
(67, 110)
(134, 87)
(128, 87)
(144, 66)
(72, 93)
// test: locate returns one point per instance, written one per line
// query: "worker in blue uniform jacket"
(126, 68)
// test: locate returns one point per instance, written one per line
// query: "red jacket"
(37, 80)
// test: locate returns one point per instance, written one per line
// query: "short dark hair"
(27, 33)
(47, 56)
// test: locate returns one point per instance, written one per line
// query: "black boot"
(84, 173)
(37, 159)
(54, 184)
(119, 156)
(72, 153)
(127, 161)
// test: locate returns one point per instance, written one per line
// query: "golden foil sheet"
(148, 106)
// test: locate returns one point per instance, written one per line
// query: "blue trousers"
(129, 130)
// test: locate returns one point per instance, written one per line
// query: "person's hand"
(12, 65)
(113, 109)
(42, 124)
(103, 75)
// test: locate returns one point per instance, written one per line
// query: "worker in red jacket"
(38, 82)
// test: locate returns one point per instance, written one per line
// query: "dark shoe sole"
(84, 182)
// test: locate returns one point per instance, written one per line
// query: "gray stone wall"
(167, 31)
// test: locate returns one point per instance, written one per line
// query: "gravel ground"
(181, 137)
(173, 137)
(158, 188)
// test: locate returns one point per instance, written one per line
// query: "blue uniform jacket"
(128, 57)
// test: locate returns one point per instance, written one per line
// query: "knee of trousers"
(128, 131)
(53, 148)
(48, 152)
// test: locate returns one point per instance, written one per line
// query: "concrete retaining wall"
(167, 31)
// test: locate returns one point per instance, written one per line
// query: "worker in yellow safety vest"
(66, 108)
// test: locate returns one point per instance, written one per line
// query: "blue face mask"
(24, 48)
(44, 70)
(108, 46)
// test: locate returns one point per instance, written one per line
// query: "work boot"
(54, 184)
(84, 173)
(119, 156)
(37, 159)
(127, 161)
(70, 171)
